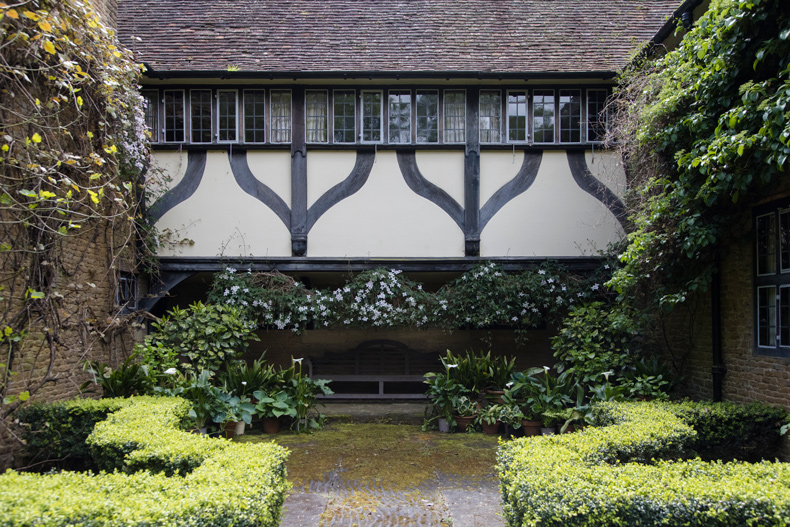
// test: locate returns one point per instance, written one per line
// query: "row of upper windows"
(346, 116)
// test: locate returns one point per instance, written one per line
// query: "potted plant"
(488, 417)
(443, 392)
(304, 392)
(500, 370)
(511, 416)
(245, 379)
(464, 412)
(237, 413)
(272, 408)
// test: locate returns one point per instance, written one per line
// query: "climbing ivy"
(705, 131)
(73, 146)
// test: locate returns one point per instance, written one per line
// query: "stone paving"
(332, 500)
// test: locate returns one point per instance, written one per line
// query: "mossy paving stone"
(379, 474)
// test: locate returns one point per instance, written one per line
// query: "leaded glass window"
(227, 115)
(371, 116)
(200, 115)
(280, 116)
(254, 111)
(344, 116)
(316, 118)
(543, 116)
(490, 116)
(454, 116)
(173, 102)
(399, 113)
(517, 117)
(570, 116)
(427, 105)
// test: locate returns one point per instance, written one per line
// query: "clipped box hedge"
(57, 432)
(163, 476)
(609, 475)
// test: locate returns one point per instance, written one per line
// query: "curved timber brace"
(588, 183)
(471, 219)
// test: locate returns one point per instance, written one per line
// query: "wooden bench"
(378, 369)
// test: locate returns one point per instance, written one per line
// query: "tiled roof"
(448, 36)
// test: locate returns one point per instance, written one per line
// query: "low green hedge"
(55, 434)
(215, 482)
(611, 475)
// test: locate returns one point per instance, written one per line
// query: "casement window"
(126, 291)
(427, 106)
(151, 113)
(371, 108)
(316, 116)
(490, 110)
(454, 116)
(772, 282)
(517, 117)
(200, 115)
(173, 102)
(344, 116)
(280, 116)
(570, 116)
(399, 116)
(596, 115)
(254, 111)
(543, 116)
(227, 112)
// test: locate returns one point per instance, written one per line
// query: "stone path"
(442, 502)
(328, 496)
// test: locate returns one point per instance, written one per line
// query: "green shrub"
(222, 483)
(594, 339)
(57, 432)
(623, 473)
(728, 431)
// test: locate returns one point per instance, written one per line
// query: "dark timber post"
(472, 175)
(298, 176)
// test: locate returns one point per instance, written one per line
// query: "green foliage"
(219, 483)
(244, 379)
(729, 431)
(56, 432)
(484, 297)
(594, 339)
(206, 336)
(708, 134)
(624, 473)
(129, 378)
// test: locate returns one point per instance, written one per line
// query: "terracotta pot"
(271, 425)
(230, 429)
(495, 396)
(492, 429)
(531, 428)
(463, 422)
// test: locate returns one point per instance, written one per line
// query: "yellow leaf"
(45, 26)
(36, 138)
(12, 13)
(5, 148)
(31, 15)
(117, 54)
(46, 194)
(94, 196)
(79, 100)
(49, 47)
(90, 135)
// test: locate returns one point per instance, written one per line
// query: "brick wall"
(749, 377)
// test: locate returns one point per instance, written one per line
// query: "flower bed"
(218, 482)
(626, 474)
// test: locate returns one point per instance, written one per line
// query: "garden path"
(372, 465)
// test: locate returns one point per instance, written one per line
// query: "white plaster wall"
(496, 169)
(607, 167)
(386, 219)
(554, 217)
(167, 170)
(445, 170)
(273, 169)
(326, 169)
(221, 219)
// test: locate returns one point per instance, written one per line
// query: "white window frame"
(532, 115)
(290, 116)
(236, 115)
(362, 117)
(326, 116)
(210, 117)
(151, 97)
(354, 116)
(589, 118)
(409, 129)
(558, 116)
(526, 117)
(444, 112)
(243, 119)
(184, 117)
(480, 117)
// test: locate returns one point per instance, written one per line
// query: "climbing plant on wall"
(705, 131)
(73, 146)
